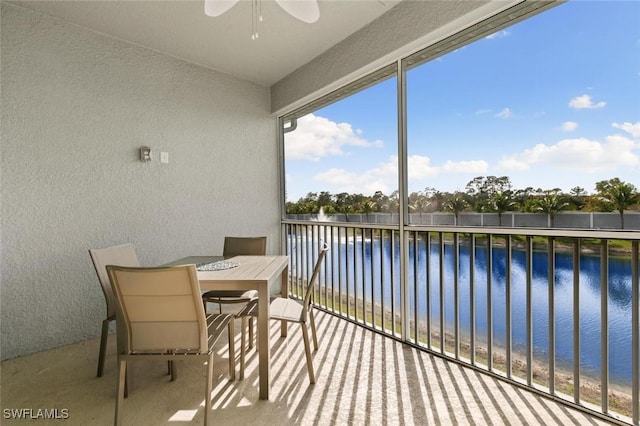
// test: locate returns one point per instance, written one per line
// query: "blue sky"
(551, 102)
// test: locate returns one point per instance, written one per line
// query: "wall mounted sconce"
(145, 154)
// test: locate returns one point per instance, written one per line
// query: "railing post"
(576, 321)
(489, 302)
(529, 309)
(472, 299)
(635, 330)
(442, 291)
(456, 295)
(604, 325)
(508, 320)
(552, 335)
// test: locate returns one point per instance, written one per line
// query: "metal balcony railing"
(552, 310)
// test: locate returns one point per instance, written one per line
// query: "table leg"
(263, 340)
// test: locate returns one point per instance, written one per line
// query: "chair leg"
(126, 383)
(207, 399)
(307, 350)
(122, 373)
(172, 370)
(232, 350)
(103, 344)
(251, 333)
(313, 329)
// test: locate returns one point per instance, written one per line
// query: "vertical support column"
(282, 182)
(402, 191)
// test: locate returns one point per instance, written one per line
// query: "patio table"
(252, 273)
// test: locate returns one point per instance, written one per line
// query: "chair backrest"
(245, 246)
(123, 255)
(314, 277)
(161, 308)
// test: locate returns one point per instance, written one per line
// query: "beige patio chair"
(238, 246)
(163, 319)
(291, 310)
(123, 255)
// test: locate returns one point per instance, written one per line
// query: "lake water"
(619, 306)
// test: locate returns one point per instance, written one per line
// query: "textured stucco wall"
(408, 22)
(76, 107)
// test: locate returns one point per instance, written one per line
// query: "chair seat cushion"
(286, 310)
(229, 295)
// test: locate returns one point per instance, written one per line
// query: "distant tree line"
(483, 194)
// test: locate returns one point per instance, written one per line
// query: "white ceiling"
(181, 29)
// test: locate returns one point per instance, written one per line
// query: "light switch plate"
(164, 157)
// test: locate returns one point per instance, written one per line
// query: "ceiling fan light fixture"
(303, 10)
(215, 8)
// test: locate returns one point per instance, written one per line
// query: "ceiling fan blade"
(218, 7)
(304, 10)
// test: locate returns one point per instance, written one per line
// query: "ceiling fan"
(304, 10)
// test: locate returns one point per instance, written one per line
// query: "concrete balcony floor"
(362, 379)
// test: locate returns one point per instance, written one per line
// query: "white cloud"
(585, 102)
(505, 113)
(577, 154)
(632, 128)
(318, 137)
(383, 177)
(569, 126)
(499, 34)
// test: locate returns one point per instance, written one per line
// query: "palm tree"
(618, 195)
(368, 207)
(502, 202)
(550, 204)
(419, 205)
(455, 204)
(346, 209)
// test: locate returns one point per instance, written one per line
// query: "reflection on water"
(619, 303)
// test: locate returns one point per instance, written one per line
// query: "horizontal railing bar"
(612, 234)
(353, 225)
(534, 232)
